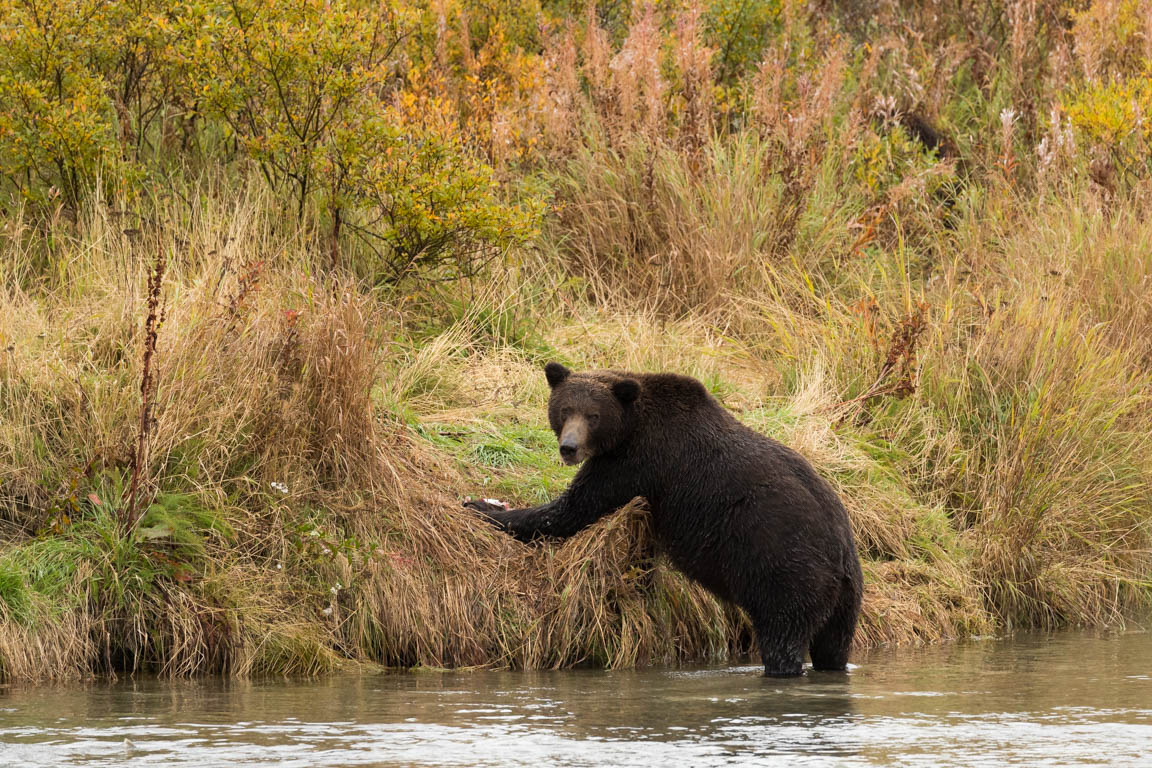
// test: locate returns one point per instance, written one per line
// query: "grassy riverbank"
(932, 279)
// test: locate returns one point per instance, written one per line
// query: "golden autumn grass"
(312, 442)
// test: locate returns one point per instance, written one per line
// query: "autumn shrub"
(419, 202)
(57, 122)
(1111, 119)
(739, 32)
(1112, 37)
(286, 78)
(305, 92)
(97, 90)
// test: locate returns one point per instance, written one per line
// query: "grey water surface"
(1062, 699)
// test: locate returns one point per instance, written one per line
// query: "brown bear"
(738, 512)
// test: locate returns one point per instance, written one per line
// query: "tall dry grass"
(314, 443)
(278, 412)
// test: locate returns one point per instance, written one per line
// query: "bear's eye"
(565, 413)
(593, 418)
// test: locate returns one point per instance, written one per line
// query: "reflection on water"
(1067, 699)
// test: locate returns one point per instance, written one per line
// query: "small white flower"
(279, 566)
(1007, 118)
(1045, 153)
(885, 108)
(279, 487)
(327, 611)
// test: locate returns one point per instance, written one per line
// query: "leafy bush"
(56, 120)
(1115, 117)
(286, 77)
(419, 201)
(1110, 36)
(304, 90)
(739, 30)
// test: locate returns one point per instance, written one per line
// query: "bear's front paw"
(486, 505)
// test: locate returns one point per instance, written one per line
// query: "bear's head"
(591, 413)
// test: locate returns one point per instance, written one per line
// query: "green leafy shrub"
(1110, 36)
(306, 91)
(56, 120)
(286, 77)
(739, 30)
(1115, 117)
(419, 201)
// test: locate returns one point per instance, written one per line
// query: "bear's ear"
(626, 390)
(556, 374)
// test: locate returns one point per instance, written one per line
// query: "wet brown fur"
(742, 514)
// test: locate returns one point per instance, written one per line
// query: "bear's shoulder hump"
(674, 386)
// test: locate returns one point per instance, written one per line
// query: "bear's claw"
(485, 505)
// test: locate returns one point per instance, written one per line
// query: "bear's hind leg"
(777, 614)
(780, 650)
(829, 647)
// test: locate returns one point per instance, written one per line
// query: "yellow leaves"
(61, 123)
(1110, 37)
(420, 195)
(882, 160)
(313, 92)
(1113, 114)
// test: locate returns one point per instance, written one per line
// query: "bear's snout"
(574, 440)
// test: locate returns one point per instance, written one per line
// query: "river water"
(1063, 699)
